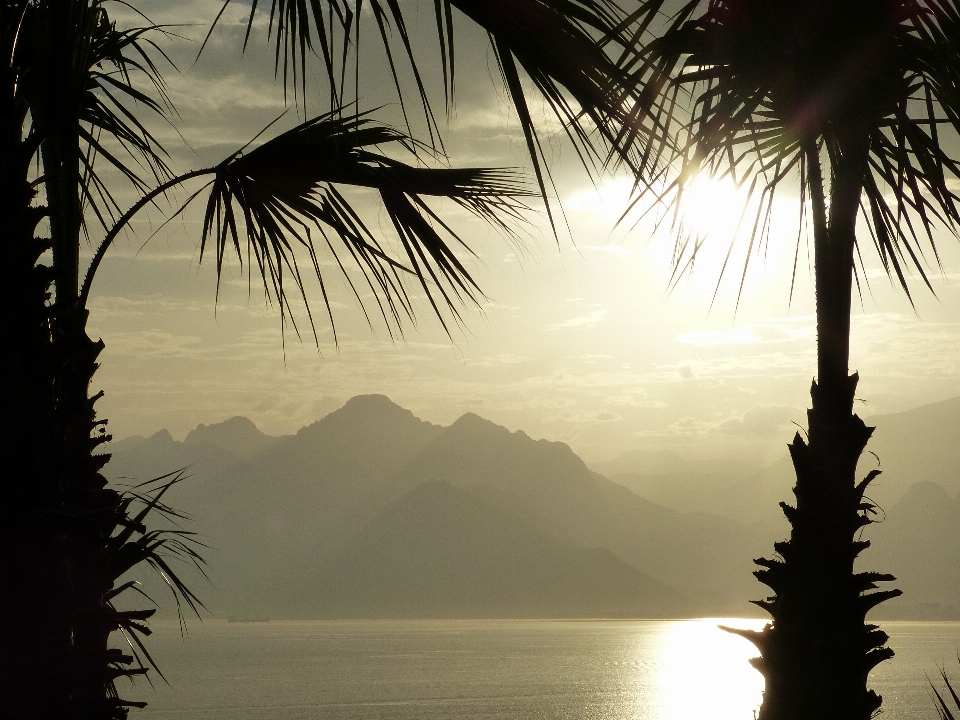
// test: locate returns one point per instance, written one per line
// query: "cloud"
(590, 319)
(762, 420)
(582, 417)
(156, 344)
(771, 331)
(493, 361)
(610, 249)
(686, 425)
(606, 416)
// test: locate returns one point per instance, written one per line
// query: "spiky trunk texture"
(27, 648)
(818, 650)
(55, 513)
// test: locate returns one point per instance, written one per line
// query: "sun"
(715, 209)
(730, 227)
(716, 223)
(708, 206)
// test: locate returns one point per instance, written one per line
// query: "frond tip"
(947, 701)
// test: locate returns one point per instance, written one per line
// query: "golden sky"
(581, 340)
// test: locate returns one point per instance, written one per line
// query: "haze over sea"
(472, 670)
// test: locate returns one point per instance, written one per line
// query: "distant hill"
(920, 445)
(441, 551)
(665, 462)
(705, 556)
(373, 512)
(919, 542)
(293, 510)
(137, 459)
(238, 436)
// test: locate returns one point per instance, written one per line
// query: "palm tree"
(858, 102)
(76, 97)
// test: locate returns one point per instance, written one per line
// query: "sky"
(583, 339)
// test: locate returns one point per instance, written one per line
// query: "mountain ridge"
(283, 516)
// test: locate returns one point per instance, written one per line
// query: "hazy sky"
(580, 342)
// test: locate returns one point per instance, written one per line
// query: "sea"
(485, 669)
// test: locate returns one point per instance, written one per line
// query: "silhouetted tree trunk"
(818, 650)
(28, 649)
(55, 514)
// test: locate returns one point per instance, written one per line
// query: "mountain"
(238, 436)
(664, 462)
(705, 556)
(137, 459)
(918, 542)
(372, 511)
(280, 519)
(752, 496)
(918, 539)
(289, 510)
(319, 487)
(920, 445)
(441, 551)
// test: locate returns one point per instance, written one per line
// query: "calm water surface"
(428, 670)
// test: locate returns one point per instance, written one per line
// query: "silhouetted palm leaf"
(265, 203)
(947, 701)
(84, 90)
(567, 48)
(134, 545)
(264, 200)
(751, 81)
(116, 57)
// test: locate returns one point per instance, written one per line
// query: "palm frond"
(758, 81)
(87, 92)
(268, 202)
(300, 28)
(134, 545)
(120, 61)
(568, 49)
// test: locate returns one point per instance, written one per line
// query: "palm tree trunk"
(90, 514)
(33, 625)
(818, 650)
(35, 608)
(55, 513)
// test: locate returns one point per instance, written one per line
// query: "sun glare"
(709, 208)
(706, 244)
(706, 202)
(715, 209)
(704, 673)
(608, 202)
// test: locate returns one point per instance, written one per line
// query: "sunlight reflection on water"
(704, 671)
(494, 670)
